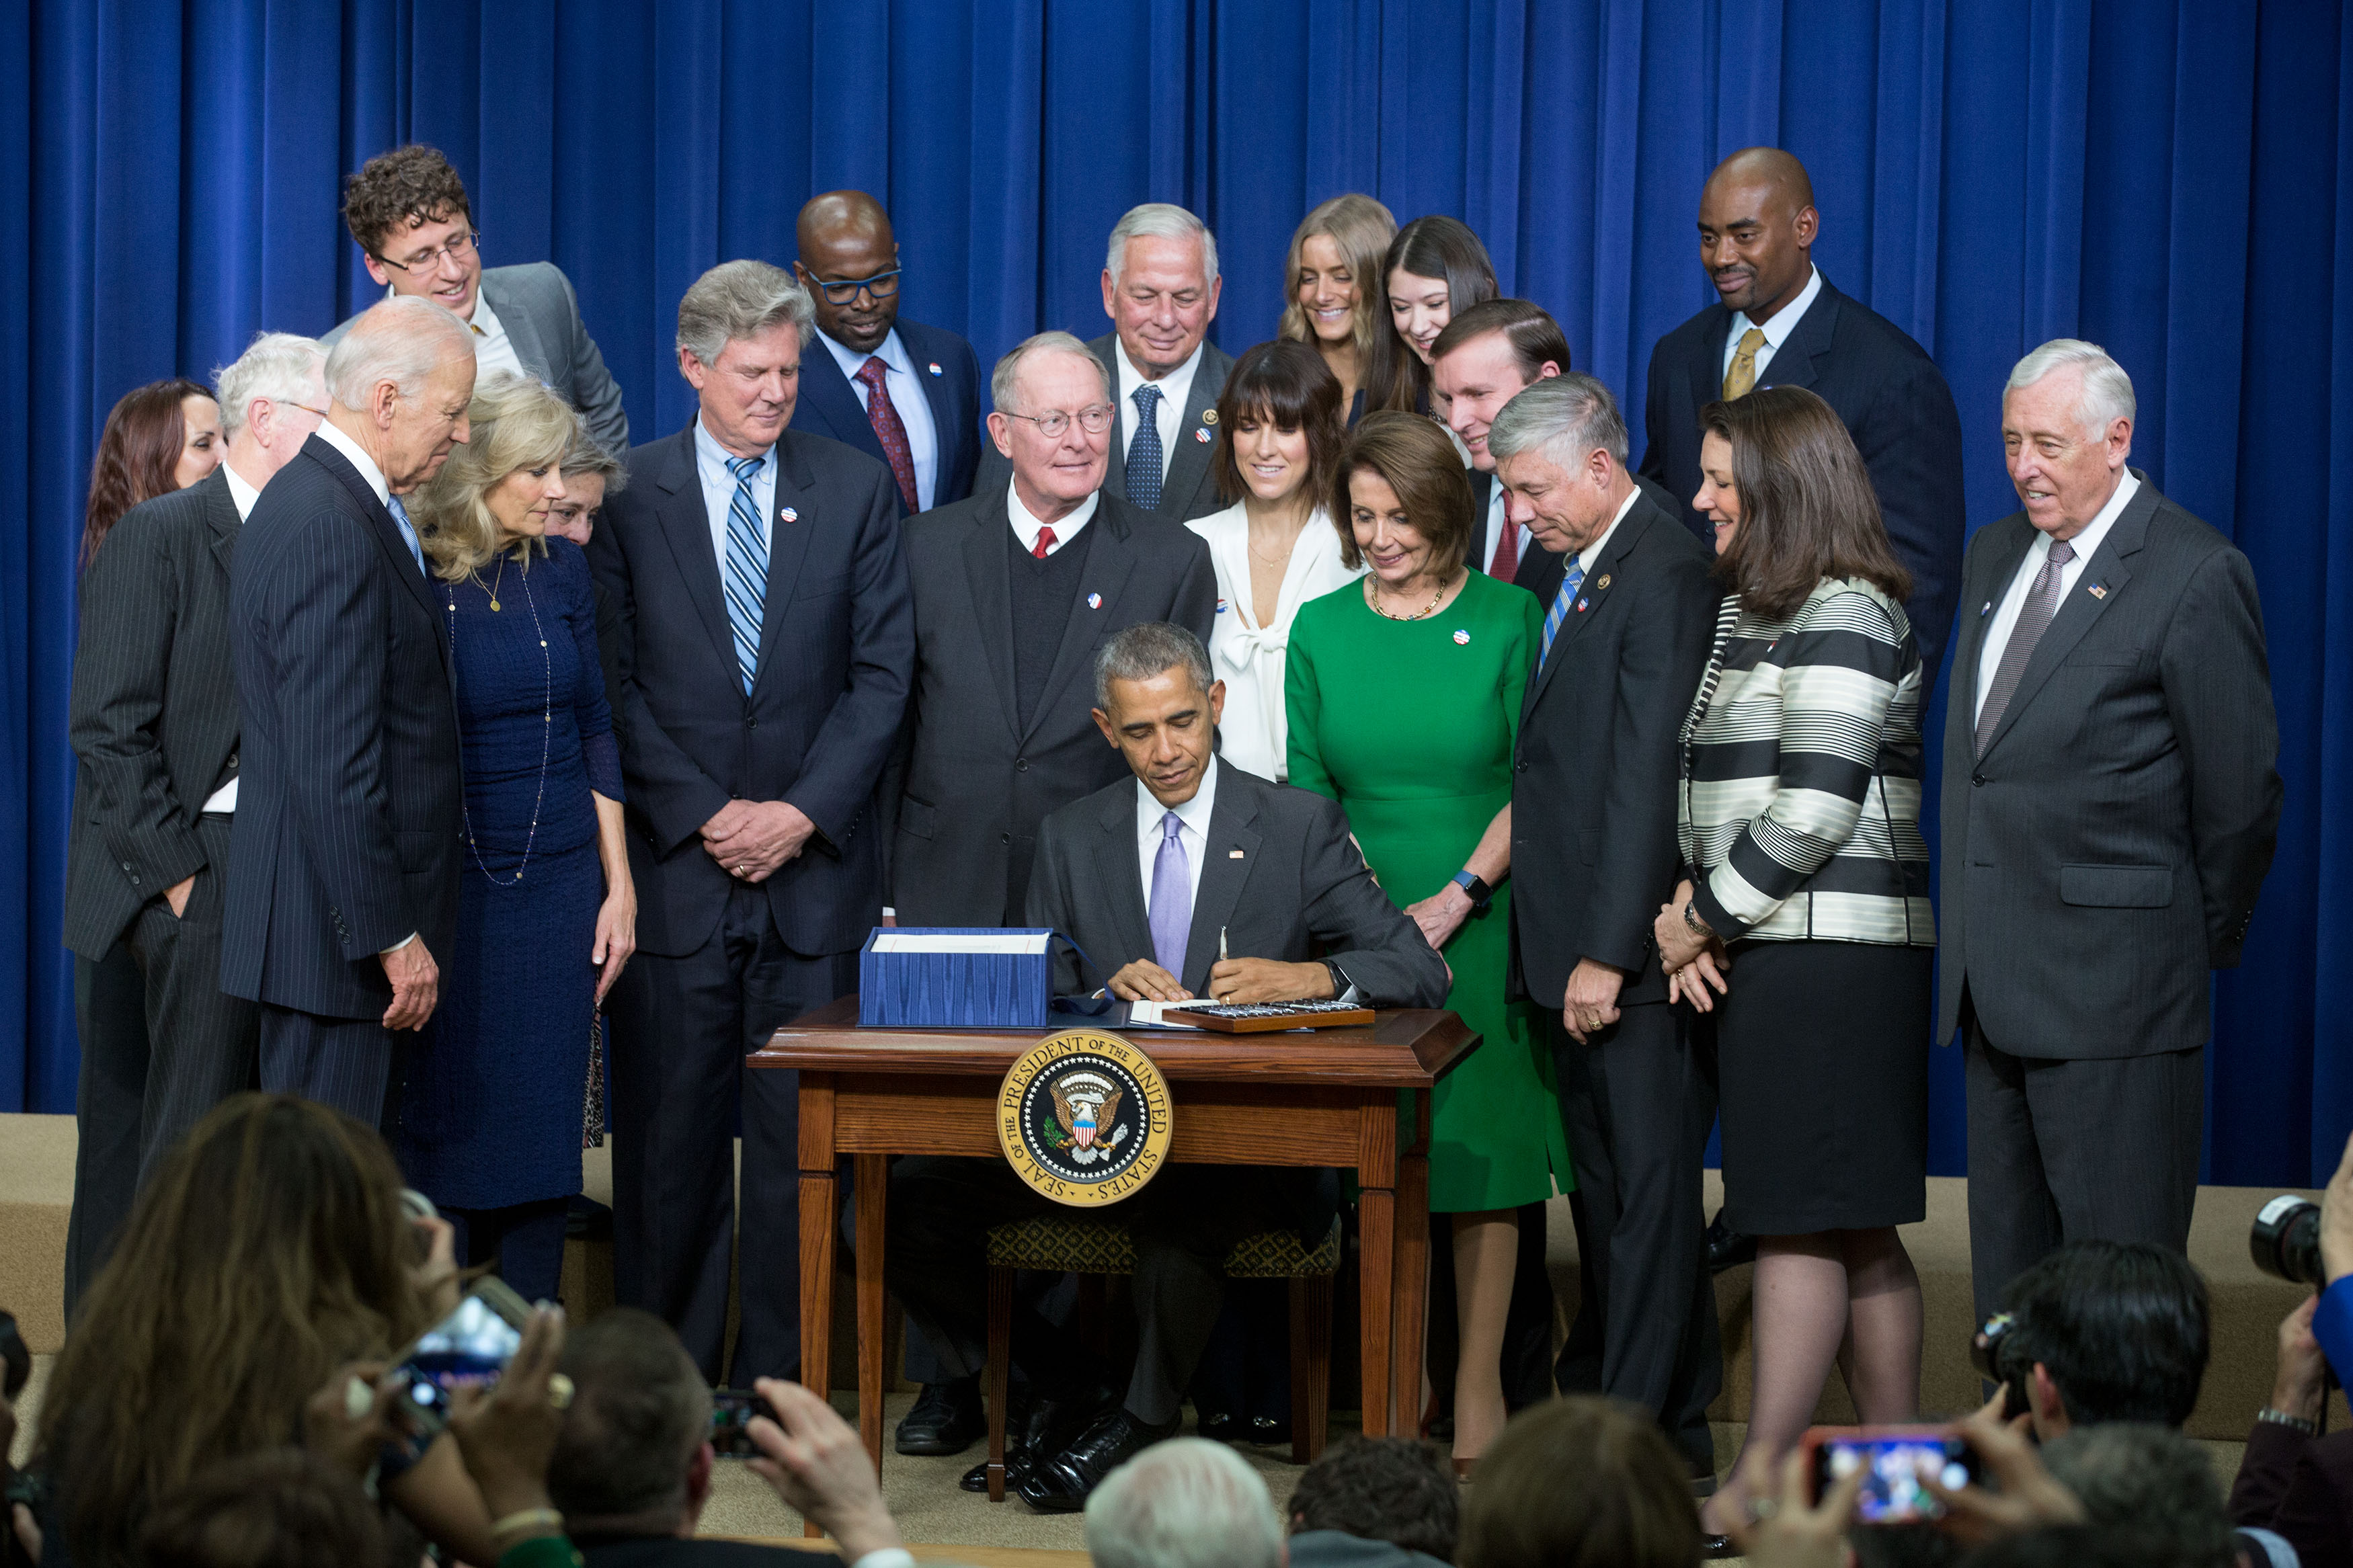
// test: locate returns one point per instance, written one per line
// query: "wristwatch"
(2309, 1428)
(1341, 983)
(1696, 926)
(1478, 890)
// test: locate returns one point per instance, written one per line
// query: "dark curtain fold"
(2174, 180)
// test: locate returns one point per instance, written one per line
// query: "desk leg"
(818, 1217)
(1376, 1238)
(873, 1176)
(1412, 1270)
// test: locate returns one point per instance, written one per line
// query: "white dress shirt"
(1194, 833)
(1776, 330)
(1174, 388)
(1496, 522)
(1592, 552)
(2013, 601)
(1250, 659)
(493, 350)
(907, 397)
(1025, 524)
(719, 489)
(243, 495)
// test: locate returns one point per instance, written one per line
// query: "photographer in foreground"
(2100, 1331)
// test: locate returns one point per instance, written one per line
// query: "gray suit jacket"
(1281, 876)
(154, 713)
(535, 304)
(1190, 490)
(2106, 850)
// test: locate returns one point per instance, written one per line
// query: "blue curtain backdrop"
(2172, 180)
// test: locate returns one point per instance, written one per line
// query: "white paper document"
(1014, 941)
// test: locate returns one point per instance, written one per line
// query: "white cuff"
(396, 946)
(888, 1557)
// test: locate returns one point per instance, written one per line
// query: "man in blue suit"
(765, 639)
(900, 392)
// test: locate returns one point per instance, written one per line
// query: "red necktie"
(1507, 553)
(1045, 543)
(888, 430)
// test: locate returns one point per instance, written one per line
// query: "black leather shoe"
(1038, 1429)
(1063, 1483)
(1712, 1547)
(1269, 1430)
(946, 1419)
(1726, 1247)
(1218, 1426)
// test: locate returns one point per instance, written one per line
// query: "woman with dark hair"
(1435, 267)
(1331, 291)
(1807, 879)
(160, 438)
(1404, 698)
(1278, 441)
(268, 1263)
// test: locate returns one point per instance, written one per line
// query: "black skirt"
(1822, 1052)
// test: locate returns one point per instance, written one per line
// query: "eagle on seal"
(1083, 1119)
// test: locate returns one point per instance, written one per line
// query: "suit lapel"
(947, 422)
(1793, 363)
(791, 518)
(1607, 567)
(2104, 571)
(1706, 383)
(986, 573)
(830, 392)
(385, 531)
(1223, 877)
(1976, 624)
(1126, 873)
(220, 514)
(1115, 475)
(1190, 461)
(1110, 558)
(686, 524)
(523, 332)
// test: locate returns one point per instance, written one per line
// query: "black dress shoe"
(1038, 1429)
(1712, 1547)
(1726, 1247)
(1269, 1430)
(946, 1419)
(1220, 1426)
(1063, 1483)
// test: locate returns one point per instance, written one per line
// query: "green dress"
(1409, 725)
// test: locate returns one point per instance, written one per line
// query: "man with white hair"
(2110, 805)
(343, 880)
(1185, 1503)
(153, 722)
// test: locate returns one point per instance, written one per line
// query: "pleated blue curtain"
(2174, 180)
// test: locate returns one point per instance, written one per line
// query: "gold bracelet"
(522, 1520)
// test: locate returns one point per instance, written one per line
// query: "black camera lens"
(2285, 1240)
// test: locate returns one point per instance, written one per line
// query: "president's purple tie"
(1172, 898)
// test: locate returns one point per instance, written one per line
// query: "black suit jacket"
(152, 714)
(667, 1552)
(1190, 489)
(1595, 767)
(1894, 402)
(944, 364)
(820, 724)
(1280, 874)
(977, 781)
(1541, 570)
(348, 800)
(2106, 849)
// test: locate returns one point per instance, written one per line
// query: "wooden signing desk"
(1326, 1098)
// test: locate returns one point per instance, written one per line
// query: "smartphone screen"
(732, 1410)
(1892, 1488)
(470, 1347)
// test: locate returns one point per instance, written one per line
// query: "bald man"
(1778, 322)
(896, 390)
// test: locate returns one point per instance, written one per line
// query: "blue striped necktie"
(408, 529)
(1561, 603)
(747, 566)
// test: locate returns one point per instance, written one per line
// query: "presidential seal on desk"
(1083, 1118)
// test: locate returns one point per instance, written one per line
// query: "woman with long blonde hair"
(490, 1114)
(1332, 292)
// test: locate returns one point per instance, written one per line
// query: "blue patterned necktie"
(747, 566)
(408, 529)
(1172, 898)
(1562, 603)
(1144, 457)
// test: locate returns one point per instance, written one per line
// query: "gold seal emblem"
(1084, 1117)
(1208, 416)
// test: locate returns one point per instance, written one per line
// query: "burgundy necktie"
(1506, 564)
(888, 430)
(1045, 541)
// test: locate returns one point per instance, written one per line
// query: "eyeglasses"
(303, 407)
(881, 286)
(457, 248)
(1094, 421)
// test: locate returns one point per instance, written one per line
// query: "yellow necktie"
(1741, 379)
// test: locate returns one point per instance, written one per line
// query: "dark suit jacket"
(2106, 849)
(823, 714)
(977, 783)
(1280, 874)
(2299, 1487)
(535, 302)
(666, 1551)
(1189, 490)
(1895, 404)
(1541, 570)
(950, 376)
(348, 800)
(153, 710)
(1595, 768)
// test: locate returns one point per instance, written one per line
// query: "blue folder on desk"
(956, 977)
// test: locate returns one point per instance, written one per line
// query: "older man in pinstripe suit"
(342, 881)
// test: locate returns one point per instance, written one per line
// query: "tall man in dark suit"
(154, 724)
(408, 212)
(342, 875)
(766, 640)
(902, 392)
(2110, 807)
(1158, 877)
(1626, 639)
(1779, 322)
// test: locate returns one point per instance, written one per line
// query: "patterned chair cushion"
(1081, 1246)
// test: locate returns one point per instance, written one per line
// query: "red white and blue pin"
(1094, 601)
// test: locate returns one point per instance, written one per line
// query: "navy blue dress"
(491, 1112)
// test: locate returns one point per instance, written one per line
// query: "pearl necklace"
(546, 732)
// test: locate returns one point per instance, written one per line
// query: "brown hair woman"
(160, 438)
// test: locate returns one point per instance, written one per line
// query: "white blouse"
(1249, 658)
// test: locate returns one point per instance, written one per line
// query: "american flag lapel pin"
(2099, 590)
(1233, 855)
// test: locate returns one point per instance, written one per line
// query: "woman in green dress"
(1404, 698)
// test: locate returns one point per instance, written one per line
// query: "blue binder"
(935, 977)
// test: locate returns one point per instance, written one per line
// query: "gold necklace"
(1373, 598)
(491, 587)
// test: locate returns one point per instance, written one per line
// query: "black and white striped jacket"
(1799, 817)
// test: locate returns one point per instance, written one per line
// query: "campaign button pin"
(789, 515)
(1462, 638)
(1222, 606)
(1581, 603)
(1094, 601)
(935, 368)
(1202, 436)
